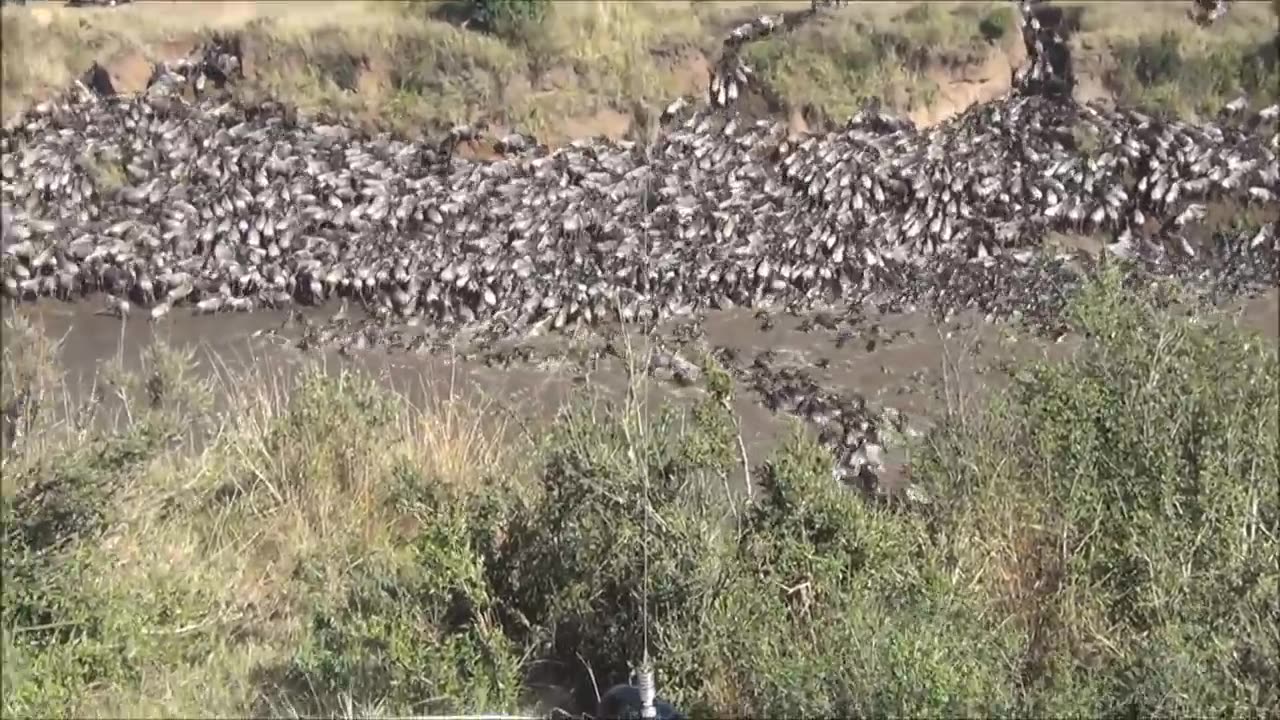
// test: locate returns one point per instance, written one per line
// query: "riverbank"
(332, 549)
(601, 68)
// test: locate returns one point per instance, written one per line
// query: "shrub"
(573, 565)
(1103, 540)
(416, 630)
(851, 611)
(1159, 73)
(770, 615)
(995, 24)
(1122, 504)
(66, 627)
(507, 16)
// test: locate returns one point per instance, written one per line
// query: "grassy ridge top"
(606, 67)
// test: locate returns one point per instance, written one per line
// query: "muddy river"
(910, 363)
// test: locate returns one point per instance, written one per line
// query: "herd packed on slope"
(160, 202)
(180, 197)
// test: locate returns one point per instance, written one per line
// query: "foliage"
(1163, 73)
(1123, 504)
(995, 24)
(1102, 541)
(551, 69)
(66, 627)
(507, 16)
(417, 630)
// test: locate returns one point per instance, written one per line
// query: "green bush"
(65, 627)
(1103, 540)
(417, 630)
(851, 611)
(1158, 73)
(572, 568)
(507, 16)
(996, 24)
(1136, 484)
(774, 616)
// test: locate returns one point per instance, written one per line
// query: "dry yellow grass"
(1107, 22)
(287, 476)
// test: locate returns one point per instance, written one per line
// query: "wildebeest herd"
(181, 197)
(164, 202)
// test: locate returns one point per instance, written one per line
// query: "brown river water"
(911, 363)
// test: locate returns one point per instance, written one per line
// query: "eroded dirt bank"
(608, 68)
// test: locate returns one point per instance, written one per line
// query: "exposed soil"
(959, 85)
(129, 73)
(603, 123)
(962, 87)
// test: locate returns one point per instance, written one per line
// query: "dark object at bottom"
(622, 702)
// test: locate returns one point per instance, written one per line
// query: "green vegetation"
(573, 69)
(889, 53)
(1102, 540)
(996, 24)
(107, 173)
(507, 16)
(1162, 73)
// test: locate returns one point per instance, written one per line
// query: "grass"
(1102, 541)
(881, 51)
(1166, 63)
(582, 68)
(1162, 73)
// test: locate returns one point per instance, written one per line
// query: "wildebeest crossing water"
(168, 203)
(182, 200)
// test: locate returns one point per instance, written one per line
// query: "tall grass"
(1120, 510)
(1165, 72)
(1102, 540)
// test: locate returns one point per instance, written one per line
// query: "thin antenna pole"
(647, 692)
(646, 684)
(645, 676)
(644, 601)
